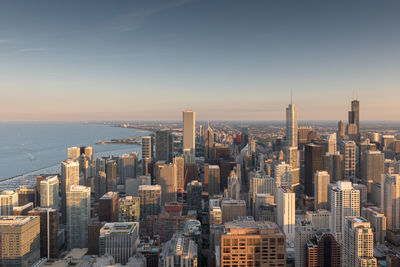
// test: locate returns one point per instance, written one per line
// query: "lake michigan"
(27, 148)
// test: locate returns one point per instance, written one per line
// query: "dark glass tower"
(313, 161)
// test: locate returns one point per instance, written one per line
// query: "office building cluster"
(216, 194)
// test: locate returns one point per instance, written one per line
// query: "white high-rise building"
(283, 175)
(69, 176)
(78, 216)
(146, 147)
(8, 200)
(345, 201)
(321, 181)
(189, 131)
(390, 200)
(291, 126)
(286, 212)
(358, 245)
(74, 153)
(49, 193)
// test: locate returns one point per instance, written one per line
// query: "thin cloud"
(37, 49)
(4, 41)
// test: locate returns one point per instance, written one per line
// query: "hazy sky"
(139, 60)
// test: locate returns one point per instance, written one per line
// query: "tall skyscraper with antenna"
(291, 152)
(353, 128)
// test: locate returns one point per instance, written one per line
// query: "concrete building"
(111, 174)
(358, 245)
(22, 210)
(49, 193)
(8, 200)
(48, 231)
(390, 200)
(320, 219)
(189, 132)
(119, 240)
(100, 184)
(348, 150)
(286, 212)
(179, 163)
(333, 165)
(179, 251)
(127, 167)
(321, 181)
(345, 201)
(215, 216)
(150, 200)
(168, 182)
(108, 207)
(283, 175)
(74, 153)
(304, 232)
(78, 216)
(249, 243)
(20, 240)
(233, 186)
(129, 209)
(232, 208)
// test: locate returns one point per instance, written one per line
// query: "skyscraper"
(345, 201)
(390, 200)
(283, 175)
(323, 250)
(348, 150)
(372, 166)
(164, 146)
(209, 153)
(212, 179)
(353, 128)
(180, 175)
(286, 212)
(49, 193)
(74, 153)
(78, 216)
(358, 243)
(341, 129)
(69, 176)
(111, 173)
(189, 131)
(48, 231)
(150, 200)
(291, 126)
(127, 167)
(168, 182)
(179, 251)
(313, 162)
(321, 181)
(146, 147)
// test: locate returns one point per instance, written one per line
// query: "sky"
(226, 60)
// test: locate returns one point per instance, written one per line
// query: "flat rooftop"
(109, 195)
(15, 220)
(118, 228)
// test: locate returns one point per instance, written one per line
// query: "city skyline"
(227, 61)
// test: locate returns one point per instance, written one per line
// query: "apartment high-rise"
(8, 200)
(321, 181)
(193, 196)
(74, 153)
(378, 223)
(48, 231)
(249, 243)
(333, 165)
(69, 177)
(20, 240)
(164, 146)
(49, 193)
(286, 212)
(129, 209)
(212, 179)
(78, 216)
(358, 245)
(331, 143)
(119, 240)
(390, 200)
(179, 251)
(189, 131)
(150, 200)
(108, 207)
(179, 163)
(372, 166)
(100, 184)
(313, 162)
(146, 147)
(345, 201)
(348, 150)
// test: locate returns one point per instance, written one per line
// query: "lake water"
(27, 148)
